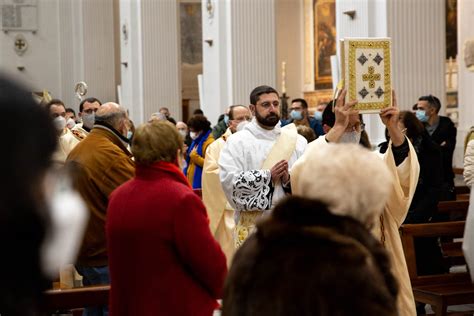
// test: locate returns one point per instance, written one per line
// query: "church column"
(150, 50)
(242, 55)
(465, 78)
(418, 46)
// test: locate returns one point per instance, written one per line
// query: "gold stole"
(281, 150)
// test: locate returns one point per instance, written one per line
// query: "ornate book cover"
(366, 69)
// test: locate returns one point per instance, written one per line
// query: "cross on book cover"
(366, 69)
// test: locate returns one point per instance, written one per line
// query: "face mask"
(296, 115)
(182, 132)
(70, 123)
(59, 123)
(241, 125)
(226, 120)
(88, 120)
(193, 135)
(129, 135)
(350, 137)
(318, 115)
(421, 115)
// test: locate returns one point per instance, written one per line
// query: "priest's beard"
(270, 120)
(350, 137)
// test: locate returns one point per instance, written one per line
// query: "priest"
(402, 162)
(254, 163)
(221, 214)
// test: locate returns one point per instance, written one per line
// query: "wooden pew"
(456, 210)
(66, 299)
(439, 290)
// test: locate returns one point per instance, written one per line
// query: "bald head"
(114, 115)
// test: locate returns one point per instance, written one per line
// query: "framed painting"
(324, 41)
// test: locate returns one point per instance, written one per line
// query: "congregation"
(257, 215)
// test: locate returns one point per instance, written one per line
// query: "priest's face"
(267, 110)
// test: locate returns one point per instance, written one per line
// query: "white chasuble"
(247, 185)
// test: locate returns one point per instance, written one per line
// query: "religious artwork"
(318, 98)
(191, 33)
(451, 29)
(324, 40)
(366, 69)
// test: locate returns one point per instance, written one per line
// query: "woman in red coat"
(163, 258)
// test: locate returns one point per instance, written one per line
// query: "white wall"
(289, 18)
(74, 42)
(243, 54)
(42, 59)
(151, 78)
(465, 79)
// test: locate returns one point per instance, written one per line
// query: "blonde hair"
(351, 180)
(156, 141)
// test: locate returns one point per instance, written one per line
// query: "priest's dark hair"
(303, 102)
(54, 102)
(88, 100)
(23, 219)
(303, 260)
(432, 101)
(258, 91)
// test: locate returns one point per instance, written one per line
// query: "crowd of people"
(296, 214)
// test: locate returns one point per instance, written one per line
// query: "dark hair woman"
(200, 132)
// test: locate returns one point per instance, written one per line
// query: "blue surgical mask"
(226, 120)
(318, 115)
(421, 115)
(296, 115)
(129, 135)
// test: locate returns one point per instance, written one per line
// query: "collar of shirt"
(431, 128)
(259, 132)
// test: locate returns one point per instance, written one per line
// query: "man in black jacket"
(442, 132)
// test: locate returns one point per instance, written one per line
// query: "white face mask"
(88, 120)
(70, 123)
(241, 125)
(59, 123)
(350, 137)
(182, 132)
(193, 135)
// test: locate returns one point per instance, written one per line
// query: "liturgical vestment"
(405, 178)
(245, 164)
(221, 214)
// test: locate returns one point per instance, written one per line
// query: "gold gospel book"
(367, 73)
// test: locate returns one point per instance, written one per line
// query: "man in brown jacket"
(99, 164)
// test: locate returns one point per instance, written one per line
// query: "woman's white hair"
(351, 180)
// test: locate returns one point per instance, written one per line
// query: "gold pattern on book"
(371, 76)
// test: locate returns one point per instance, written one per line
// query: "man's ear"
(252, 109)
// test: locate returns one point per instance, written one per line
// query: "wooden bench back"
(451, 250)
(456, 210)
(80, 297)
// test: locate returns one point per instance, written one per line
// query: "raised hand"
(390, 118)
